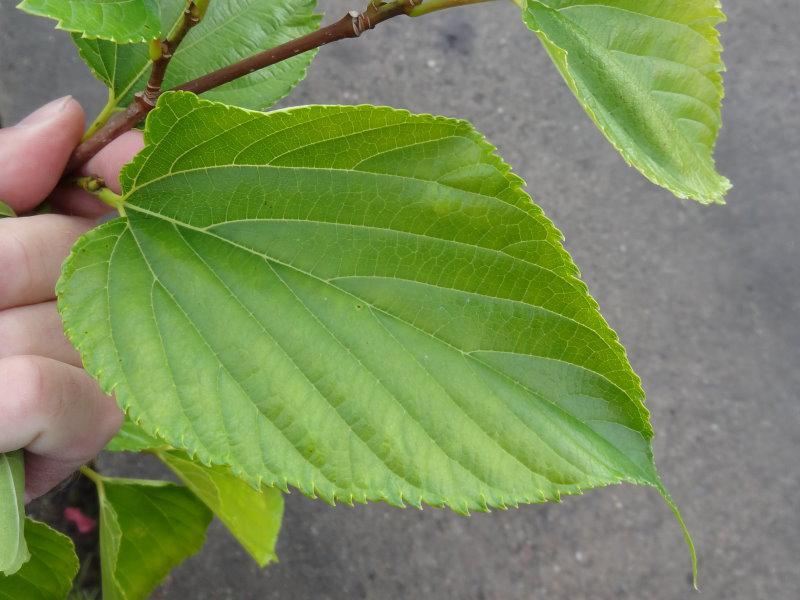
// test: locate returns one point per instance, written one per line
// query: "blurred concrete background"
(707, 301)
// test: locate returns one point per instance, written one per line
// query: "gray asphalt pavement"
(706, 299)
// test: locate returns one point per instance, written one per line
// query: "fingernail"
(45, 113)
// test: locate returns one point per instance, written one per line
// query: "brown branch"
(161, 53)
(352, 25)
(114, 127)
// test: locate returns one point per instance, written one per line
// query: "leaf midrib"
(319, 392)
(491, 440)
(314, 386)
(467, 355)
(208, 231)
(12, 486)
(127, 196)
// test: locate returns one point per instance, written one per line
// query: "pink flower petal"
(83, 522)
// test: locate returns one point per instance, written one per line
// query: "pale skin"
(49, 405)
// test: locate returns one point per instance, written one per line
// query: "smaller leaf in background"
(252, 516)
(228, 33)
(6, 210)
(13, 550)
(121, 21)
(146, 529)
(49, 573)
(649, 74)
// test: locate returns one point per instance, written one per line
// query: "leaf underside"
(358, 302)
(649, 73)
(49, 573)
(121, 21)
(13, 549)
(229, 32)
(146, 529)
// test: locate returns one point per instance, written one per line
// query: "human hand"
(48, 404)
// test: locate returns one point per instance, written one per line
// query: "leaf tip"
(687, 536)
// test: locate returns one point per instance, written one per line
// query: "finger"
(107, 164)
(43, 473)
(68, 199)
(31, 252)
(55, 411)
(33, 153)
(109, 161)
(36, 329)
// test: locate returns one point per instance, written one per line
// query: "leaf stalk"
(93, 475)
(429, 6)
(97, 187)
(108, 110)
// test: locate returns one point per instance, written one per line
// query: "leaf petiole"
(97, 187)
(90, 473)
(429, 6)
(108, 110)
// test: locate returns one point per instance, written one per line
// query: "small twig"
(97, 187)
(352, 25)
(161, 52)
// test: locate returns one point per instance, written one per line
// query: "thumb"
(33, 152)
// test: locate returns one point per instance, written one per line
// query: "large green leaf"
(146, 529)
(252, 516)
(648, 72)
(355, 301)
(122, 21)
(230, 31)
(49, 573)
(13, 549)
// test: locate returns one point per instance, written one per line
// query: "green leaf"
(131, 438)
(648, 72)
(49, 573)
(229, 32)
(13, 550)
(358, 302)
(6, 210)
(146, 529)
(252, 516)
(121, 21)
